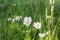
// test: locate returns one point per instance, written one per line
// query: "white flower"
(37, 25)
(17, 18)
(41, 35)
(27, 21)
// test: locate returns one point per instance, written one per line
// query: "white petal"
(41, 35)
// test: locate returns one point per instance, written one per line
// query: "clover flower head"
(42, 35)
(17, 18)
(27, 21)
(37, 25)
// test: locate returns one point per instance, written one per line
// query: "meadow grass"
(39, 10)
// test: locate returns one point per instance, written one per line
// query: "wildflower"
(17, 18)
(27, 21)
(42, 35)
(37, 25)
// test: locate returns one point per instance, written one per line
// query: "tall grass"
(39, 10)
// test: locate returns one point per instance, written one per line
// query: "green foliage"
(34, 8)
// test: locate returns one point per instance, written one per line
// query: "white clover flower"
(37, 25)
(42, 35)
(17, 18)
(27, 21)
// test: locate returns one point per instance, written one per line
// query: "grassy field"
(29, 20)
